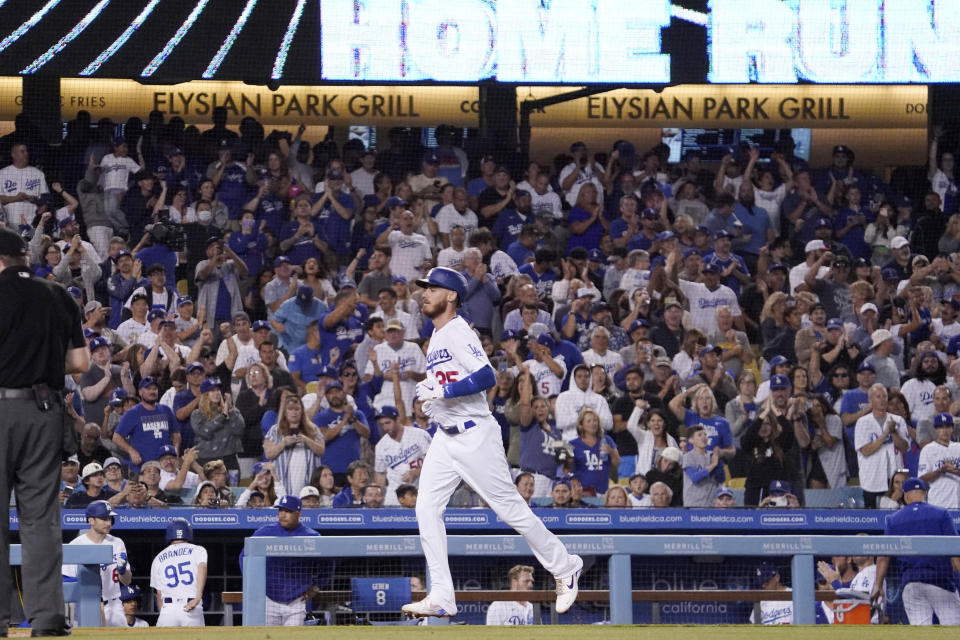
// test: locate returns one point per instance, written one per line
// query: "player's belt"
(172, 600)
(10, 394)
(454, 430)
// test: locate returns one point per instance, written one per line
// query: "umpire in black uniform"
(41, 341)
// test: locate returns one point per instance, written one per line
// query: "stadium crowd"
(657, 328)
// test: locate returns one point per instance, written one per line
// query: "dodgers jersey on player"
(109, 580)
(455, 353)
(397, 458)
(945, 490)
(175, 570)
(510, 613)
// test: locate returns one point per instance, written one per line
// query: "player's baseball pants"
(173, 615)
(286, 614)
(476, 456)
(922, 600)
(113, 615)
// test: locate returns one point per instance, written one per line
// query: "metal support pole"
(254, 590)
(803, 586)
(621, 589)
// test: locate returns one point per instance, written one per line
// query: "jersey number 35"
(443, 377)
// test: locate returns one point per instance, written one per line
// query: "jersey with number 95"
(175, 570)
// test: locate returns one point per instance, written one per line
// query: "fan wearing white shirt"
(457, 213)
(115, 171)
(581, 171)
(600, 355)
(519, 612)
(452, 256)
(388, 310)
(20, 187)
(579, 395)
(946, 326)
(880, 439)
(940, 465)
(706, 296)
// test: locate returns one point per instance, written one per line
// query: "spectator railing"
(86, 590)
(619, 549)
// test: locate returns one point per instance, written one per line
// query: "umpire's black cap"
(11, 244)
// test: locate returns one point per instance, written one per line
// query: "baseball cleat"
(567, 589)
(427, 609)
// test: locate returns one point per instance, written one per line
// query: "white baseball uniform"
(945, 490)
(547, 383)
(774, 612)
(411, 359)
(510, 613)
(109, 579)
(704, 303)
(397, 458)
(174, 575)
(468, 447)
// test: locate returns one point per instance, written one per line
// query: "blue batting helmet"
(129, 592)
(179, 529)
(100, 509)
(446, 278)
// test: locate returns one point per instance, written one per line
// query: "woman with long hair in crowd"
(594, 453)
(771, 317)
(218, 427)
(649, 429)
(693, 341)
(252, 403)
(264, 482)
(295, 445)
(315, 276)
(743, 408)
(323, 480)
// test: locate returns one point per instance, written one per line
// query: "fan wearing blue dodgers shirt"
(289, 579)
(114, 574)
(145, 428)
(178, 575)
(930, 583)
(468, 447)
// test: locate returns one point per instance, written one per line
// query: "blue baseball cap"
(304, 295)
(75, 292)
(834, 323)
(520, 193)
(335, 384)
(702, 229)
(195, 366)
(914, 484)
(288, 503)
(775, 266)
(209, 385)
(123, 253)
(388, 412)
(779, 381)
(508, 334)
(711, 267)
(723, 491)
(167, 450)
(595, 255)
(658, 261)
(182, 300)
(778, 360)
(890, 273)
(154, 314)
(651, 213)
(431, 157)
(689, 252)
(779, 486)
(281, 260)
(147, 381)
(639, 322)
(663, 236)
(709, 349)
(98, 342)
(765, 571)
(904, 201)
(546, 340)
(823, 222)
(722, 233)
(942, 420)
(117, 396)
(261, 324)
(394, 201)
(329, 372)
(89, 333)
(397, 279)
(866, 366)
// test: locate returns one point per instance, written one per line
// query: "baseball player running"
(468, 446)
(929, 582)
(100, 518)
(178, 575)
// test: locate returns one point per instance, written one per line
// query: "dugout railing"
(619, 551)
(86, 590)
